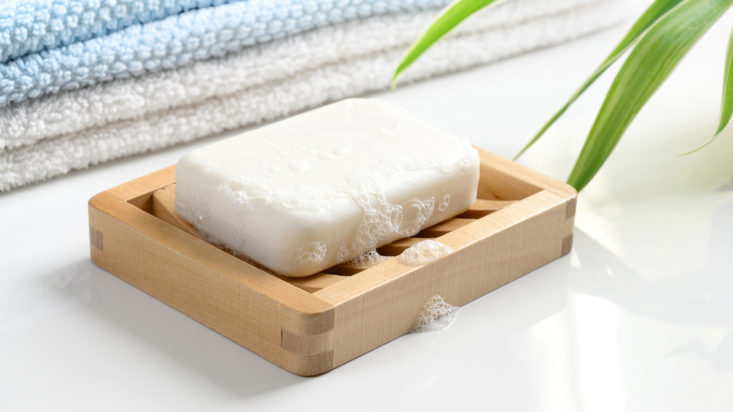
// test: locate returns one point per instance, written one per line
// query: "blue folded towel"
(178, 40)
(29, 26)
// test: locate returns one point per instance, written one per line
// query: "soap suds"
(444, 202)
(254, 197)
(436, 314)
(342, 253)
(370, 258)
(414, 214)
(424, 252)
(312, 253)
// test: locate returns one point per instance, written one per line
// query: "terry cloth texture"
(47, 137)
(29, 26)
(182, 39)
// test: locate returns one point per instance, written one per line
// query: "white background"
(638, 317)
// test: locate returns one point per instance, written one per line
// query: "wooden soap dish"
(520, 221)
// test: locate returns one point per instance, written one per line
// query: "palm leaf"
(655, 56)
(727, 105)
(450, 18)
(658, 9)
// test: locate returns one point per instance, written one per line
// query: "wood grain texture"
(521, 221)
(164, 207)
(483, 207)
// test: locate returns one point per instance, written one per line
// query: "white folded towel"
(50, 136)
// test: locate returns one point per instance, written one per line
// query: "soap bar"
(326, 186)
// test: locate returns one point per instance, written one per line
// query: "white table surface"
(638, 317)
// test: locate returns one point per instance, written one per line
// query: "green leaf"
(650, 16)
(727, 105)
(655, 56)
(450, 18)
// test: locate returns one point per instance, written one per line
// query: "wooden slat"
(346, 269)
(445, 227)
(313, 283)
(164, 207)
(483, 207)
(503, 179)
(397, 247)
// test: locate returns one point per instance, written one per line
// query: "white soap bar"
(306, 193)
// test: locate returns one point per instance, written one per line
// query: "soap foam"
(424, 252)
(370, 258)
(444, 202)
(436, 314)
(414, 214)
(312, 253)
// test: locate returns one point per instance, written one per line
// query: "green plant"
(658, 41)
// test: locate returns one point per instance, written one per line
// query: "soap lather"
(326, 186)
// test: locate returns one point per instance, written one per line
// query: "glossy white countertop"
(639, 316)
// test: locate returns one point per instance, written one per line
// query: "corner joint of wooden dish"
(309, 339)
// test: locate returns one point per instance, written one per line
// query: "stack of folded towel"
(87, 81)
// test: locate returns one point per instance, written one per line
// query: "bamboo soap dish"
(308, 326)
